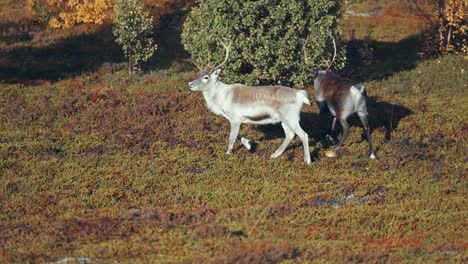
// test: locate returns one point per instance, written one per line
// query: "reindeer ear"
(217, 71)
(316, 74)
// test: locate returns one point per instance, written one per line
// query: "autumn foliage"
(449, 21)
(452, 26)
(67, 13)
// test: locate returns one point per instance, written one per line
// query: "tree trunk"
(440, 11)
(449, 39)
(130, 61)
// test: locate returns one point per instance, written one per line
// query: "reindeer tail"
(361, 88)
(303, 97)
(363, 91)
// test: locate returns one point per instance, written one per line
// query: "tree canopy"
(273, 42)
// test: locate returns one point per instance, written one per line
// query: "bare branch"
(418, 10)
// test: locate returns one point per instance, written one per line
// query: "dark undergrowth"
(103, 167)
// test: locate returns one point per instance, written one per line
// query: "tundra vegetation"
(97, 165)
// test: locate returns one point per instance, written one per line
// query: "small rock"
(331, 153)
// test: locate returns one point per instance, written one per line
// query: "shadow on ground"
(382, 116)
(62, 58)
(31, 52)
(369, 60)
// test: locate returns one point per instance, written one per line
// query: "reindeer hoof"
(275, 155)
(372, 156)
(229, 152)
(330, 138)
(246, 143)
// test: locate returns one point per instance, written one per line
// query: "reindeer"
(341, 97)
(258, 105)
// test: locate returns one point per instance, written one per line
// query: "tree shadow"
(11, 32)
(65, 57)
(376, 60)
(82, 49)
(168, 36)
(385, 115)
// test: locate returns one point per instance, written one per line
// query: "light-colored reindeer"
(341, 97)
(259, 105)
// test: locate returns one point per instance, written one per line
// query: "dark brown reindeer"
(341, 97)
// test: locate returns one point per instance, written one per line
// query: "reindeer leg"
(324, 116)
(289, 135)
(330, 137)
(363, 117)
(294, 125)
(323, 119)
(333, 124)
(345, 126)
(244, 141)
(235, 126)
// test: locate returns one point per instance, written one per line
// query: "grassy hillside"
(384, 20)
(109, 167)
(97, 166)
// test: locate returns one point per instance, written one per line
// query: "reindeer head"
(204, 80)
(210, 76)
(318, 77)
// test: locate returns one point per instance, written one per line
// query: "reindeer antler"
(228, 49)
(306, 57)
(334, 47)
(202, 61)
(192, 59)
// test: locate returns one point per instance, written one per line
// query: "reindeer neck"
(217, 88)
(216, 96)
